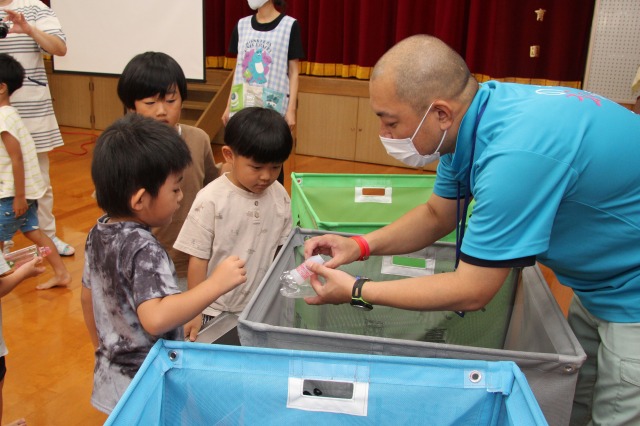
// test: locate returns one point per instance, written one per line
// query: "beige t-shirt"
(201, 171)
(226, 220)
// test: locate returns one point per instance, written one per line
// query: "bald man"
(555, 177)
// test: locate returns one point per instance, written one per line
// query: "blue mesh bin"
(200, 384)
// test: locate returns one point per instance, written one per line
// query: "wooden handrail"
(211, 119)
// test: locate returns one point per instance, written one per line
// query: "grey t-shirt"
(124, 266)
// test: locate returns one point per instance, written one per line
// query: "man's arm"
(48, 42)
(418, 228)
(469, 288)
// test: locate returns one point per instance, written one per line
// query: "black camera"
(4, 29)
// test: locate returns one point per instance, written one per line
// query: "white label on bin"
(417, 264)
(367, 194)
(356, 405)
(390, 267)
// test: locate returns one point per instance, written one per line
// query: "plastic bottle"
(295, 283)
(15, 259)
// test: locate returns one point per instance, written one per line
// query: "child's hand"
(192, 328)
(31, 268)
(20, 206)
(229, 273)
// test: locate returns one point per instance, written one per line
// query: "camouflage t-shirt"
(124, 266)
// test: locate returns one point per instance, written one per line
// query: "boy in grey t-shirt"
(130, 298)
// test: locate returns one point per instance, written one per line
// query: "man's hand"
(337, 285)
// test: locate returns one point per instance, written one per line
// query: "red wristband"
(365, 251)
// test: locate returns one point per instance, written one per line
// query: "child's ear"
(227, 153)
(136, 202)
(3, 88)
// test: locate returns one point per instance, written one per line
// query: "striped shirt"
(33, 100)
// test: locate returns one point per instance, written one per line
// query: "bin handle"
(373, 194)
(343, 398)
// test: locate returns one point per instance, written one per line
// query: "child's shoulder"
(192, 133)
(8, 111)
(198, 142)
(213, 192)
(279, 189)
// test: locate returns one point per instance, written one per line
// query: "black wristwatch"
(356, 295)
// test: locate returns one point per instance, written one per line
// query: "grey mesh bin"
(522, 324)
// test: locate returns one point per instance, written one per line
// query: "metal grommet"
(173, 355)
(569, 368)
(475, 376)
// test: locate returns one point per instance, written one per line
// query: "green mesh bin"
(356, 203)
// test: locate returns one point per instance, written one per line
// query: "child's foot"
(19, 422)
(63, 281)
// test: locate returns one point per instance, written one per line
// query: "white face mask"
(257, 4)
(405, 151)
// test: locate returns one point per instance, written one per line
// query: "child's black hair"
(260, 134)
(135, 152)
(11, 72)
(150, 74)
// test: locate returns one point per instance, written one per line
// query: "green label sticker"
(409, 262)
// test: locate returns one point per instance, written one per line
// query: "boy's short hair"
(135, 152)
(261, 134)
(11, 72)
(149, 74)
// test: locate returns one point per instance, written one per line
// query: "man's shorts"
(9, 224)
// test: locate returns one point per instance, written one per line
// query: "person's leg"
(62, 277)
(31, 230)
(616, 400)
(3, 371)
(586, 331)
(608, 389)
(45, 209)
(45, 204)
(6, 212)
(9, 224)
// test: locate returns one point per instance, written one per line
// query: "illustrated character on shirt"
(255, 66)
